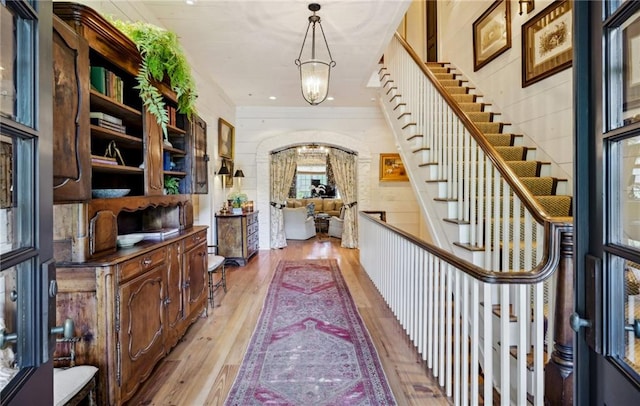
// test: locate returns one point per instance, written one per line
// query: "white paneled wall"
(542, 112)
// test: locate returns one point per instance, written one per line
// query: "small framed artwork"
(491, 34)
(225, 139)
(547, 42)
(392, 168)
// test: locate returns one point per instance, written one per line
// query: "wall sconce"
(239, 175)
(314, 73)
(224, 171)
(529, 3)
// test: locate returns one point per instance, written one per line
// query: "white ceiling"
(248, 47)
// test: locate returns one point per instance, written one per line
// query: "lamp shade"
(238, 174)
(223, 169)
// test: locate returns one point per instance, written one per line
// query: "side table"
(322, 224)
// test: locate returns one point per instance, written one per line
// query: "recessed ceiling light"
(272, 97)
(190, 2)
(330, 98)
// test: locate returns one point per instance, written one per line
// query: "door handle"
(635, 327)
(576, 322)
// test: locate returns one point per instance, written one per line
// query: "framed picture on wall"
(392, 168)
(547, 42)
(491, 34)
(225, 139)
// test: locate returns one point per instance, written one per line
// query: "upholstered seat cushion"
(215, 261)
(67, 382)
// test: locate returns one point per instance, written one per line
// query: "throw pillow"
(311, 207)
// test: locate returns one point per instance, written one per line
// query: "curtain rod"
(339, 149)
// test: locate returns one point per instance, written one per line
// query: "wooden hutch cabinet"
(237, 236)
(130, 305)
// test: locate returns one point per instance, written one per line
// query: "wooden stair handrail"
(551, 257)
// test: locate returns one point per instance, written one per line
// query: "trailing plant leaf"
(162, 56)
(152, 98)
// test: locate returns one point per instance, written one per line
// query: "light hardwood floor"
(201, 368)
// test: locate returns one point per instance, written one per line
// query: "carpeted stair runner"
(515, 156)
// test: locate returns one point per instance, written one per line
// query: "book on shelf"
(107, 83)
(98, 79)
(109, 125)
(97, 159)
(105, 117)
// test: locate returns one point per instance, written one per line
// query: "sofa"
(330, 206)
(298, 225)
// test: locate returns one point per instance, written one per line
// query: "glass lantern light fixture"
(314, 72)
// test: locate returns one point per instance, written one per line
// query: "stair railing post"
(558, 373)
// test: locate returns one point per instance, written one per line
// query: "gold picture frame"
(491, 33)
(392, 169)
(547, 42)
(226, 138)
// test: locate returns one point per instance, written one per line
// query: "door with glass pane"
(26, 374)
(607, 202)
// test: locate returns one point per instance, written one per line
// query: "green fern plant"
(161, 55)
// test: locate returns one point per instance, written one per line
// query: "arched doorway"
(292, 139)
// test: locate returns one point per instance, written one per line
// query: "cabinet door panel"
(141, 343)
(199, 175)
(230, 236)
(71, 144)
(175, 306)
(153, 172)
(196, 289)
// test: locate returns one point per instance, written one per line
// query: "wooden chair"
(72, 384)
(216, 264)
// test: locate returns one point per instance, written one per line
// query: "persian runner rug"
(310, 346)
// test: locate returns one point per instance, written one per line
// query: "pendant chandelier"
(314, 73)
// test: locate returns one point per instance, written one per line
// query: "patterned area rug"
(310, 346)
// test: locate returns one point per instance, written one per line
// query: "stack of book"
(107, 83)
(106, 121)
(97, 159)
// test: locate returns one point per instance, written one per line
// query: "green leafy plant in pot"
(172, 185)
(162, 56)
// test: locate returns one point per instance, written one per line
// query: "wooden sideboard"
(133, 306)
(237, 236)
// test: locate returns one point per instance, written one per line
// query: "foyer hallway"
(201, 368)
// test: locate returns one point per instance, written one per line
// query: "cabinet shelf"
(175, 173)
(110, 135)
(106, 168)
(100, 102)
(174, 131)
(174, 151)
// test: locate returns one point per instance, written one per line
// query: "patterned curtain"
(283, 167)
(343, 165)
(331, 178)
(293, 190)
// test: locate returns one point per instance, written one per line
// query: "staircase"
(488, 201)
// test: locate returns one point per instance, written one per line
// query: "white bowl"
(129, 240)
(109, 193)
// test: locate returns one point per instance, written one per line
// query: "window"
(22, 235)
